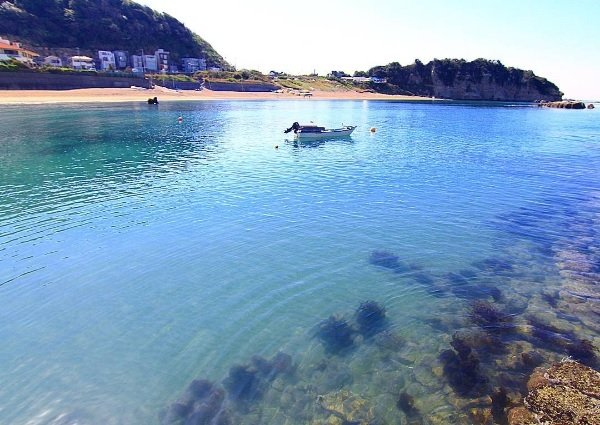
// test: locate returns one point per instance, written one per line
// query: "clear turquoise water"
(138, 253)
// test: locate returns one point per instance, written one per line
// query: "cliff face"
(457, 79)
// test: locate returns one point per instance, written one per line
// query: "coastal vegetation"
(480, 79)
(101, 25)
(12, 65)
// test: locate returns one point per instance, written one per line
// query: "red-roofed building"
(12, 50)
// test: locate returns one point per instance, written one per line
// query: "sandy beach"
(23, 97)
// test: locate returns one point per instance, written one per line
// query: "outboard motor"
(294, 127)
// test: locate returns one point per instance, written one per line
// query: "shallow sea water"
(138, 254)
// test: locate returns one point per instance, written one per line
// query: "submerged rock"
(385, 259)
(487, 315)
(202, 403)
(406, 403)
(243, 383)
(479, 340)
(494, 265)
(335, 334)
(370, 317)
(532, 359)
(462, 371)
(390, 261)
(349, 408)
(564, 340)
(521, 416)
(500, 402)
(280, 363)
(582, 350)
(390, 341)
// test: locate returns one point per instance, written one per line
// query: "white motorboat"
(311, 131)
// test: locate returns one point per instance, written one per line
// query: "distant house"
(107, 60)
(162, 60)
(121, 59)
(53, 61)
(191, 65)
(150, 63)
(137, 63)
(357, 79)
(214, 69)
(13, 50)
(84, 63)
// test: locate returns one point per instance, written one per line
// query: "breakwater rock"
(563, 104)
(566, 393)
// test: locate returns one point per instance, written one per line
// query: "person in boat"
(295, 127)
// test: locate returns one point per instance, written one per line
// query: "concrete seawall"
(241, 87)
(46, 81)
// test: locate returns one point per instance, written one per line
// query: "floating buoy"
(373, 129)
(180, 119)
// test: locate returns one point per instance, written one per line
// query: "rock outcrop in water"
(563, 104)
(458, 79)
(567, 393)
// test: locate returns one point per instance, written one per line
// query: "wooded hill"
(480, 79)
(101, 25)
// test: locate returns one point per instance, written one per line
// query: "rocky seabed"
(532, 312)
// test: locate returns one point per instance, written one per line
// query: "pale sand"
(23, 97)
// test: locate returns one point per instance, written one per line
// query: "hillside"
(480, 79)
(91, 25)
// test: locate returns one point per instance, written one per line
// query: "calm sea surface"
(138, 254)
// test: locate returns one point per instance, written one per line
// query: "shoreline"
(103, 95)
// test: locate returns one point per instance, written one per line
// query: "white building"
(82, 62)
(150, 63)
(13, 50)
(162, 60)
(137, 63)
(191, 65)
(357, 79)
(107, 60)
(53, 61)
(121, 58)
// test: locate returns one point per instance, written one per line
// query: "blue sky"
(557, 39)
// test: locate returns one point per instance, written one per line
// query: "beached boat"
(311, 131)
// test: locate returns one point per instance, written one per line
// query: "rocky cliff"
(458, 79)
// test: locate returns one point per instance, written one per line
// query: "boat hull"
(325, 134)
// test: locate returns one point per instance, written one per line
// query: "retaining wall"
(242, 87)
(45, 81)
